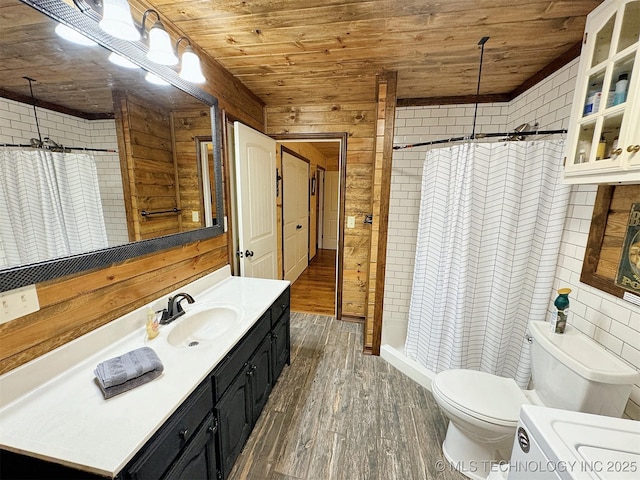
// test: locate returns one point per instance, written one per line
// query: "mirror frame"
(87, 23)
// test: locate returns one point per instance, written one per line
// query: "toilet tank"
(571, 371)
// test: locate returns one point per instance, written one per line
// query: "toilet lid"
(481, 395)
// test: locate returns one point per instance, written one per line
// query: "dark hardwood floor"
(315, 289)
(336, 414)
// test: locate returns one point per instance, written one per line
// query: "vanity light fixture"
(190, 69)
(156, 80)
(74, 36)
(117, 20)
(160, 49)
(121, 61)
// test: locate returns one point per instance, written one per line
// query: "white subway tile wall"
(612, 322)
(18, 126)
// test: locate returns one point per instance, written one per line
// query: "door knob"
(248, 253)
(633, 148)
(298, 227)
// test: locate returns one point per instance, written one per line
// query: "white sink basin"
(203, 324)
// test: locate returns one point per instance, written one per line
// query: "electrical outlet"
(18, 303)
(195, 216)
(351, 222)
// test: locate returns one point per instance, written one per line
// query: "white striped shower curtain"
(50, 206)
(491, 221)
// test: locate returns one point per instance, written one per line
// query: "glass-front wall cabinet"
(604, 132)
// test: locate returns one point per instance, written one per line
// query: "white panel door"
(330, 227)
(255, 158)
(295, 216)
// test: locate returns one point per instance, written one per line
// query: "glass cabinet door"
(608, 122)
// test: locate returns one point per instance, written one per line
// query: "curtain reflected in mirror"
(51, 205)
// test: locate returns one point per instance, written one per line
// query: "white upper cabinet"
(604, 132)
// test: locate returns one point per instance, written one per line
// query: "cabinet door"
(280, 344)
(198, 460)
(259, 371)
(234, 421)
(604, 131)
(158, 454)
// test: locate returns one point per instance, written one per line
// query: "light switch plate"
(195, 216)
(351, 222)
(18, 303)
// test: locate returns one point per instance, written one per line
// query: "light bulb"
(117, 21)
(160, 49)
(191, 70)
(72, 35)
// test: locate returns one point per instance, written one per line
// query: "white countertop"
(51, 408)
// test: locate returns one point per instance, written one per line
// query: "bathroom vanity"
(191, 422)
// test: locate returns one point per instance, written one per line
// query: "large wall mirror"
(154, 189)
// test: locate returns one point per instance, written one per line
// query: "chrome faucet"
(174, 309)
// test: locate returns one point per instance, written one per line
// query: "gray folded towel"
(119, 374)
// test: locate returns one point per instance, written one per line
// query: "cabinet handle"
(184, 433)
(633, 148)
(617, 151)
(275, 337)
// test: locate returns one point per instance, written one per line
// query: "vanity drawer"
(234, 362)
(279, 306)
(166, 444)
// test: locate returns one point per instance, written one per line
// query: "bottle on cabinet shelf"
(593, 100)
(620, 95)
(602, 147)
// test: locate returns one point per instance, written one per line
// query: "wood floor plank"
(336, 414)
(315, 289)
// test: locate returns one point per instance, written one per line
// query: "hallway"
(315, 289)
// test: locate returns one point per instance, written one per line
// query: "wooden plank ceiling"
(303, 52)
(307, 51)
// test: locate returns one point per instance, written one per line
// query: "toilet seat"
(481, 395)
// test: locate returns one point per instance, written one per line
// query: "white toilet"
(569, 371)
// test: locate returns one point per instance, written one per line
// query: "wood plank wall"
(147, 160)
(186, 126)
(386, 112)
(358, 120)
(75, 305)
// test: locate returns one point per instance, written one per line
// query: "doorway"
(328, 264)
(317, 290)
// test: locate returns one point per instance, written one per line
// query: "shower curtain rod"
(478, 136)
(58, 148)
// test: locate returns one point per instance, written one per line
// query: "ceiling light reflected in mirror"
(71, 35)
(117, 20)
(121, 61)
(156, 80)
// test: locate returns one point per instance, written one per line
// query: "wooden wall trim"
(386, 91)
